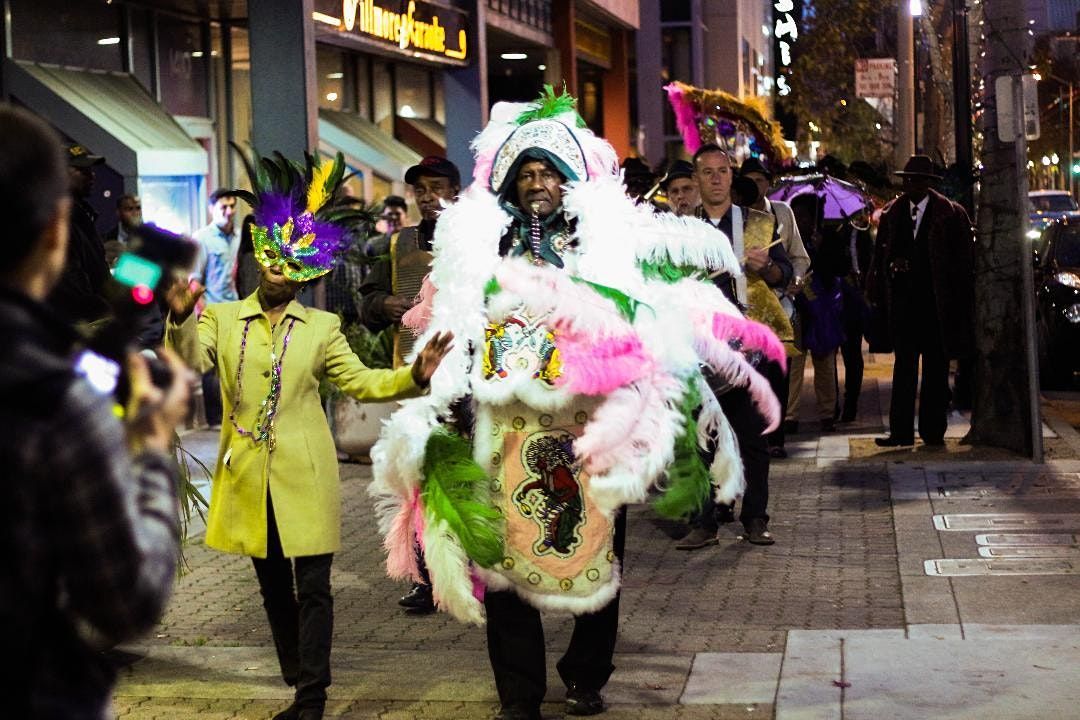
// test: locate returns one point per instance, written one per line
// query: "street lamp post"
(905, 102)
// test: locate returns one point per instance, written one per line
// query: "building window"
(413, 91)
(76, 34)
(182, 66)
(363, 85)
(383, 95)
(675, 11)
(330, 68)
(142, 47)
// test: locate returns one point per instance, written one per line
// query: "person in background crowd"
(766, 264)
(923, 278)
(129, 217)
(215, 269)
(854, 235)
(276, 493)
(390, 290)
(638, 178)
(89, 527)
(681, 190)
(80, 294)
(788, 230)
(392, 218)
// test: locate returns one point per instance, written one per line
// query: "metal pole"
(1026, 272)
(905, 104)
(1072, 160)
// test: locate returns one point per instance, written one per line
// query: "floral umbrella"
(842, 199)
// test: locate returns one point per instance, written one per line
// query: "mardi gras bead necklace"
(264, 423)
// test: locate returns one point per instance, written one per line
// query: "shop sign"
(412, 26)
(787, 15)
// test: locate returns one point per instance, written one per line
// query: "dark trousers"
(933, 395)
(779, 380)
(851, 351)
(515, 638)
(301, 621)
(212, 398)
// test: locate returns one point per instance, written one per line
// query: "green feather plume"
(551, 105)
(453, 490)
(626, 305)
(688, 479)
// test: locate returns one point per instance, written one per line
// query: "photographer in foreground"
(89, 527)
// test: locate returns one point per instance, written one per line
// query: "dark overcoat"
(897, 290)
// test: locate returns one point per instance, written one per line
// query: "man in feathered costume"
(577, 382)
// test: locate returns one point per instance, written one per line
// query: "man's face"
(129, 212)
(916, 187)
(761, 181)
(80, 181)
(393, 217)
(712, 171)
(683, 196)
(430, 191)
(539, 188)
(222, 212)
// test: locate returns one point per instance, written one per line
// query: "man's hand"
(181, 298)
(153, 413)
(397, 305)
(757, 259)
(429, 358)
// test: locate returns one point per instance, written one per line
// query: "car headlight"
(1067, 279)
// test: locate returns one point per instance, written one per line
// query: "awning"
(363, 141)
(110, 113)
(423, 134)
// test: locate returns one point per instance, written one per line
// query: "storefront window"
(363, 85)
(330, 68)
(413, 84)
(182, 66)
(76, 34)
(382, 79)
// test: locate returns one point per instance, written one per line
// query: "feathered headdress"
(551, 124)
(302, 220)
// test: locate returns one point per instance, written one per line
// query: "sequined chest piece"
(521, 344)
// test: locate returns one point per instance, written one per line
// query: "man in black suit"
(923, 278)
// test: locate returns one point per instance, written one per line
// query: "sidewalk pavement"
(907, 584)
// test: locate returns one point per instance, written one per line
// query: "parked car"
(1057, 309)
(1046, 206)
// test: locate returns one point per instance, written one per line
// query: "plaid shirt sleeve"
(114, 523)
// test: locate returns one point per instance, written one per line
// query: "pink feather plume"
(685, 117)
(400, 542)
(752, 334)
(418, 317)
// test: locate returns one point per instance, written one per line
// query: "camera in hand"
(153, 260)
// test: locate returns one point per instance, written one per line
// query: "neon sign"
(786, 17)
(413, 27)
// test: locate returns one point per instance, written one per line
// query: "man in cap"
(390, 289)
(681, 190)
(128, 218)
(80, 294)
(922, 277)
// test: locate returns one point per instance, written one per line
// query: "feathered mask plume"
(303, 222)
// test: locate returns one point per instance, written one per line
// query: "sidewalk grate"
(1007, 521)
(1027, 539)
(1003, 566)
(1052, 551)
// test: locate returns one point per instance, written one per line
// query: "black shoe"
(935, 442)
(893, 442)
(848, 416)
(289, 713)
(757, 532)
(310, 714)
(580, 701)
(696, 539)
(516, 712)
(828, 425)
(777, 452)
(791, 427)
(418, 598)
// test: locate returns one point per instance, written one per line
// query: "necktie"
(914, 220)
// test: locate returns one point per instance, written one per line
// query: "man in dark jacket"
(923, 278)
(88, 529)
(80, 293)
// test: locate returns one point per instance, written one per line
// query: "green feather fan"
(552, 105)
(453, 488)
(688, 483)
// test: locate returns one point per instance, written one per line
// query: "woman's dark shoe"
(418, 599)
(777, 452)
(893, 442)
(582, 701)
(515, 712)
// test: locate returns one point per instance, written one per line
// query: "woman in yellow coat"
(276, 492)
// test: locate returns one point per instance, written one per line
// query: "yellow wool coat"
(301, 473)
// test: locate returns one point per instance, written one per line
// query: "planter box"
(356, 425)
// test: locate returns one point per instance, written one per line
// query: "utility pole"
(905, 102)
(962, 104)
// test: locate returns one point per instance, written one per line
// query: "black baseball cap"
(80, 157)
(433, 165)
(678, 169)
